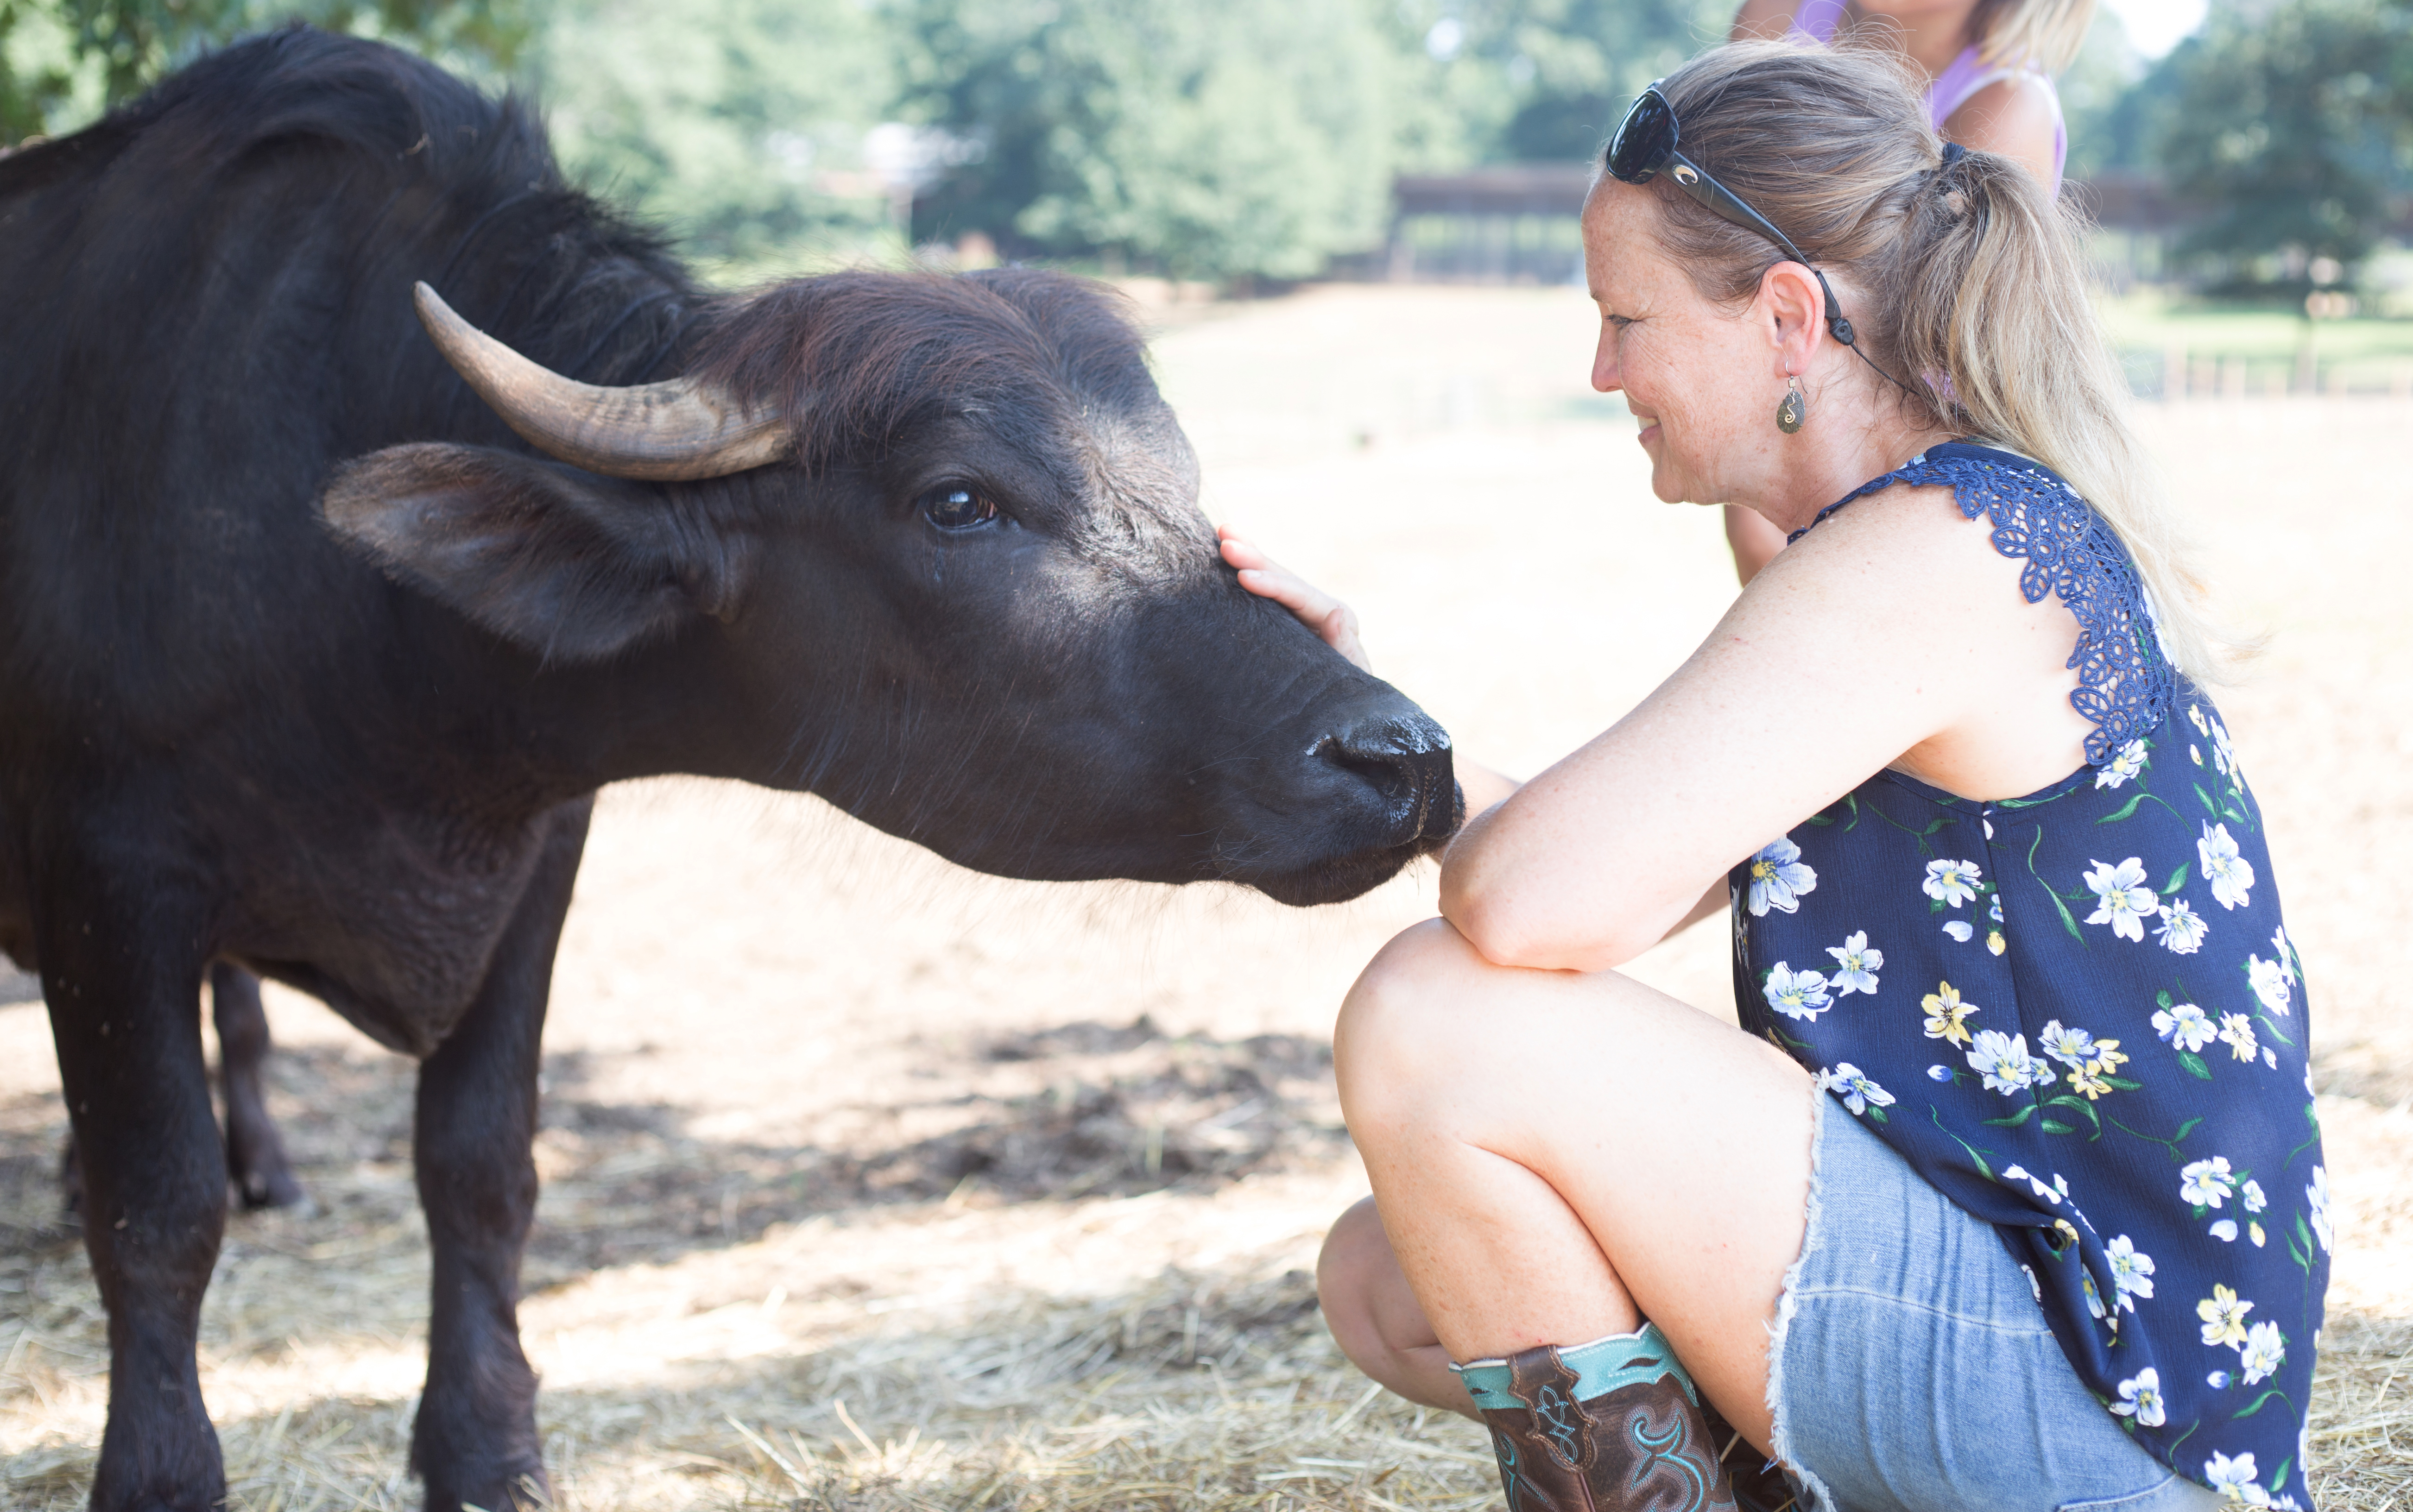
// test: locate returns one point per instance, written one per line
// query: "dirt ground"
(871, 1183)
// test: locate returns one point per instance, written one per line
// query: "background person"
(1989, 67)
(2009, 1195)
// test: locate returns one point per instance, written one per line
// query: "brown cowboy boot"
(1612, 1426)
(1759, 1483)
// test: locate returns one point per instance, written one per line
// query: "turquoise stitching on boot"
(1601, 1367)
(1657, 1449)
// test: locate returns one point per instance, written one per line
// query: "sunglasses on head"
(1645, 147)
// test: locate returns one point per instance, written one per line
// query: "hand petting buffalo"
(371, 498)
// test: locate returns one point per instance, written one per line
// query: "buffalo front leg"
(475, 1441)
(124, 990)
(256, 1158)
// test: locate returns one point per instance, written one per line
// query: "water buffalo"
(318, 631)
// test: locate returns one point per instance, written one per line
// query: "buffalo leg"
(475, 1440)
(125, 999)
(256, 1162)
(255, 1158)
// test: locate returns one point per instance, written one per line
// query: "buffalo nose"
(1405, 758)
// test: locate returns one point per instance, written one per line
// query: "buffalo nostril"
(1406, 760)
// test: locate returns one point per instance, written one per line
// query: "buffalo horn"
(665, 431)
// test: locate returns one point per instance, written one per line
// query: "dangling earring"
(1794, 408)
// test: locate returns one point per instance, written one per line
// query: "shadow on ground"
(1122, 1110)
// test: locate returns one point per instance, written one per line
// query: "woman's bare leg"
(1558, 1157)
(1376, 1319)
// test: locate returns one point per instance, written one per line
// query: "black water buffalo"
(318, 635)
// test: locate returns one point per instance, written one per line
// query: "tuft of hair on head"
(2044, 35)
(1965, 278)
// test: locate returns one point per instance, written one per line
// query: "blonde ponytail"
(1962, 278)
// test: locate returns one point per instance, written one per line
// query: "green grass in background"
(2360, 354)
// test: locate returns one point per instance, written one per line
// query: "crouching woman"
(2009, 1193)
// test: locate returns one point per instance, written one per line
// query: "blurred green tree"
(1254, 138)
(741, 123)
(62, 61)
(2289, 120)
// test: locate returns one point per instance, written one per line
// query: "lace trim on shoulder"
(2124, 676)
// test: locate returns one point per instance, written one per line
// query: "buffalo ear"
(571, 565)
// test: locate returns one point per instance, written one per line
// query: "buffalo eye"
(956, 507)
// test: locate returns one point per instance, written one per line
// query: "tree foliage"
(1254, 137)
(62, 60)
(738, 123)
(2289, 122)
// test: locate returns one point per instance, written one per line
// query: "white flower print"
(1951, 881)
(1779, 878)
(1797, 994)
(2182, 929)
(2004, 1061)
(2231, 875)
(2233, 1478)
(2194, 717)
(2224, 754)
(2281, 947)
(1857, 965)
(2194, 753)
(1858, 1092)
(2185, 1026)
(2269, 980)
(2141, 1399)
(1994, 914)
(2317, 1197)
(2237, 1032)
(2132, 1271)
(2070, 1046)
(2122, 899)
(2223, 1317)
(2271, 1058)
(1960, 929)
(1946, 1013)
(2225, 1231)
(2207, 1182)
(2058, 1188)
(2121, 767)
(2251, 1193)
(2262, 1352)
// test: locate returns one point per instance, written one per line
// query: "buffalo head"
(931, 548)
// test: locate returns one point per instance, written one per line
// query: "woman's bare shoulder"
(1914, 538)
(1763, 20)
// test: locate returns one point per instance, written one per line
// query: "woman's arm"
(1763, 20)
(2013, 118)
(1876, 632)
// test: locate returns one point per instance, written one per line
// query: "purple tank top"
(1816, 22)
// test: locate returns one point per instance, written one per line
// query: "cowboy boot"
(1612, 1426)
(1759, 1483)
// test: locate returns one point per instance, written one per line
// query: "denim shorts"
(1910, 1368)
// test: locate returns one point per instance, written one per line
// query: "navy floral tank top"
(2078, 1015)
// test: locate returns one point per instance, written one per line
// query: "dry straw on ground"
(869, 1187)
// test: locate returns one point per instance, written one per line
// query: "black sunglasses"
(1645, 147)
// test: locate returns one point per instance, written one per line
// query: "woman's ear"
(1794, 309)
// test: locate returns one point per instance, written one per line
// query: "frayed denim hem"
(1817, 1497)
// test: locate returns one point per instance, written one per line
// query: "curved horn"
(659, 431)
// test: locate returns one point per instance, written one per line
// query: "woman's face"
(1704, 381)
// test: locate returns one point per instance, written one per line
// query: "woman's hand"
(1316, 609)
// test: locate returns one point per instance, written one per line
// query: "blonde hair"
(1964, 281)
(2044, 35)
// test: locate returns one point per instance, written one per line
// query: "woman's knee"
(1397, 1026)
